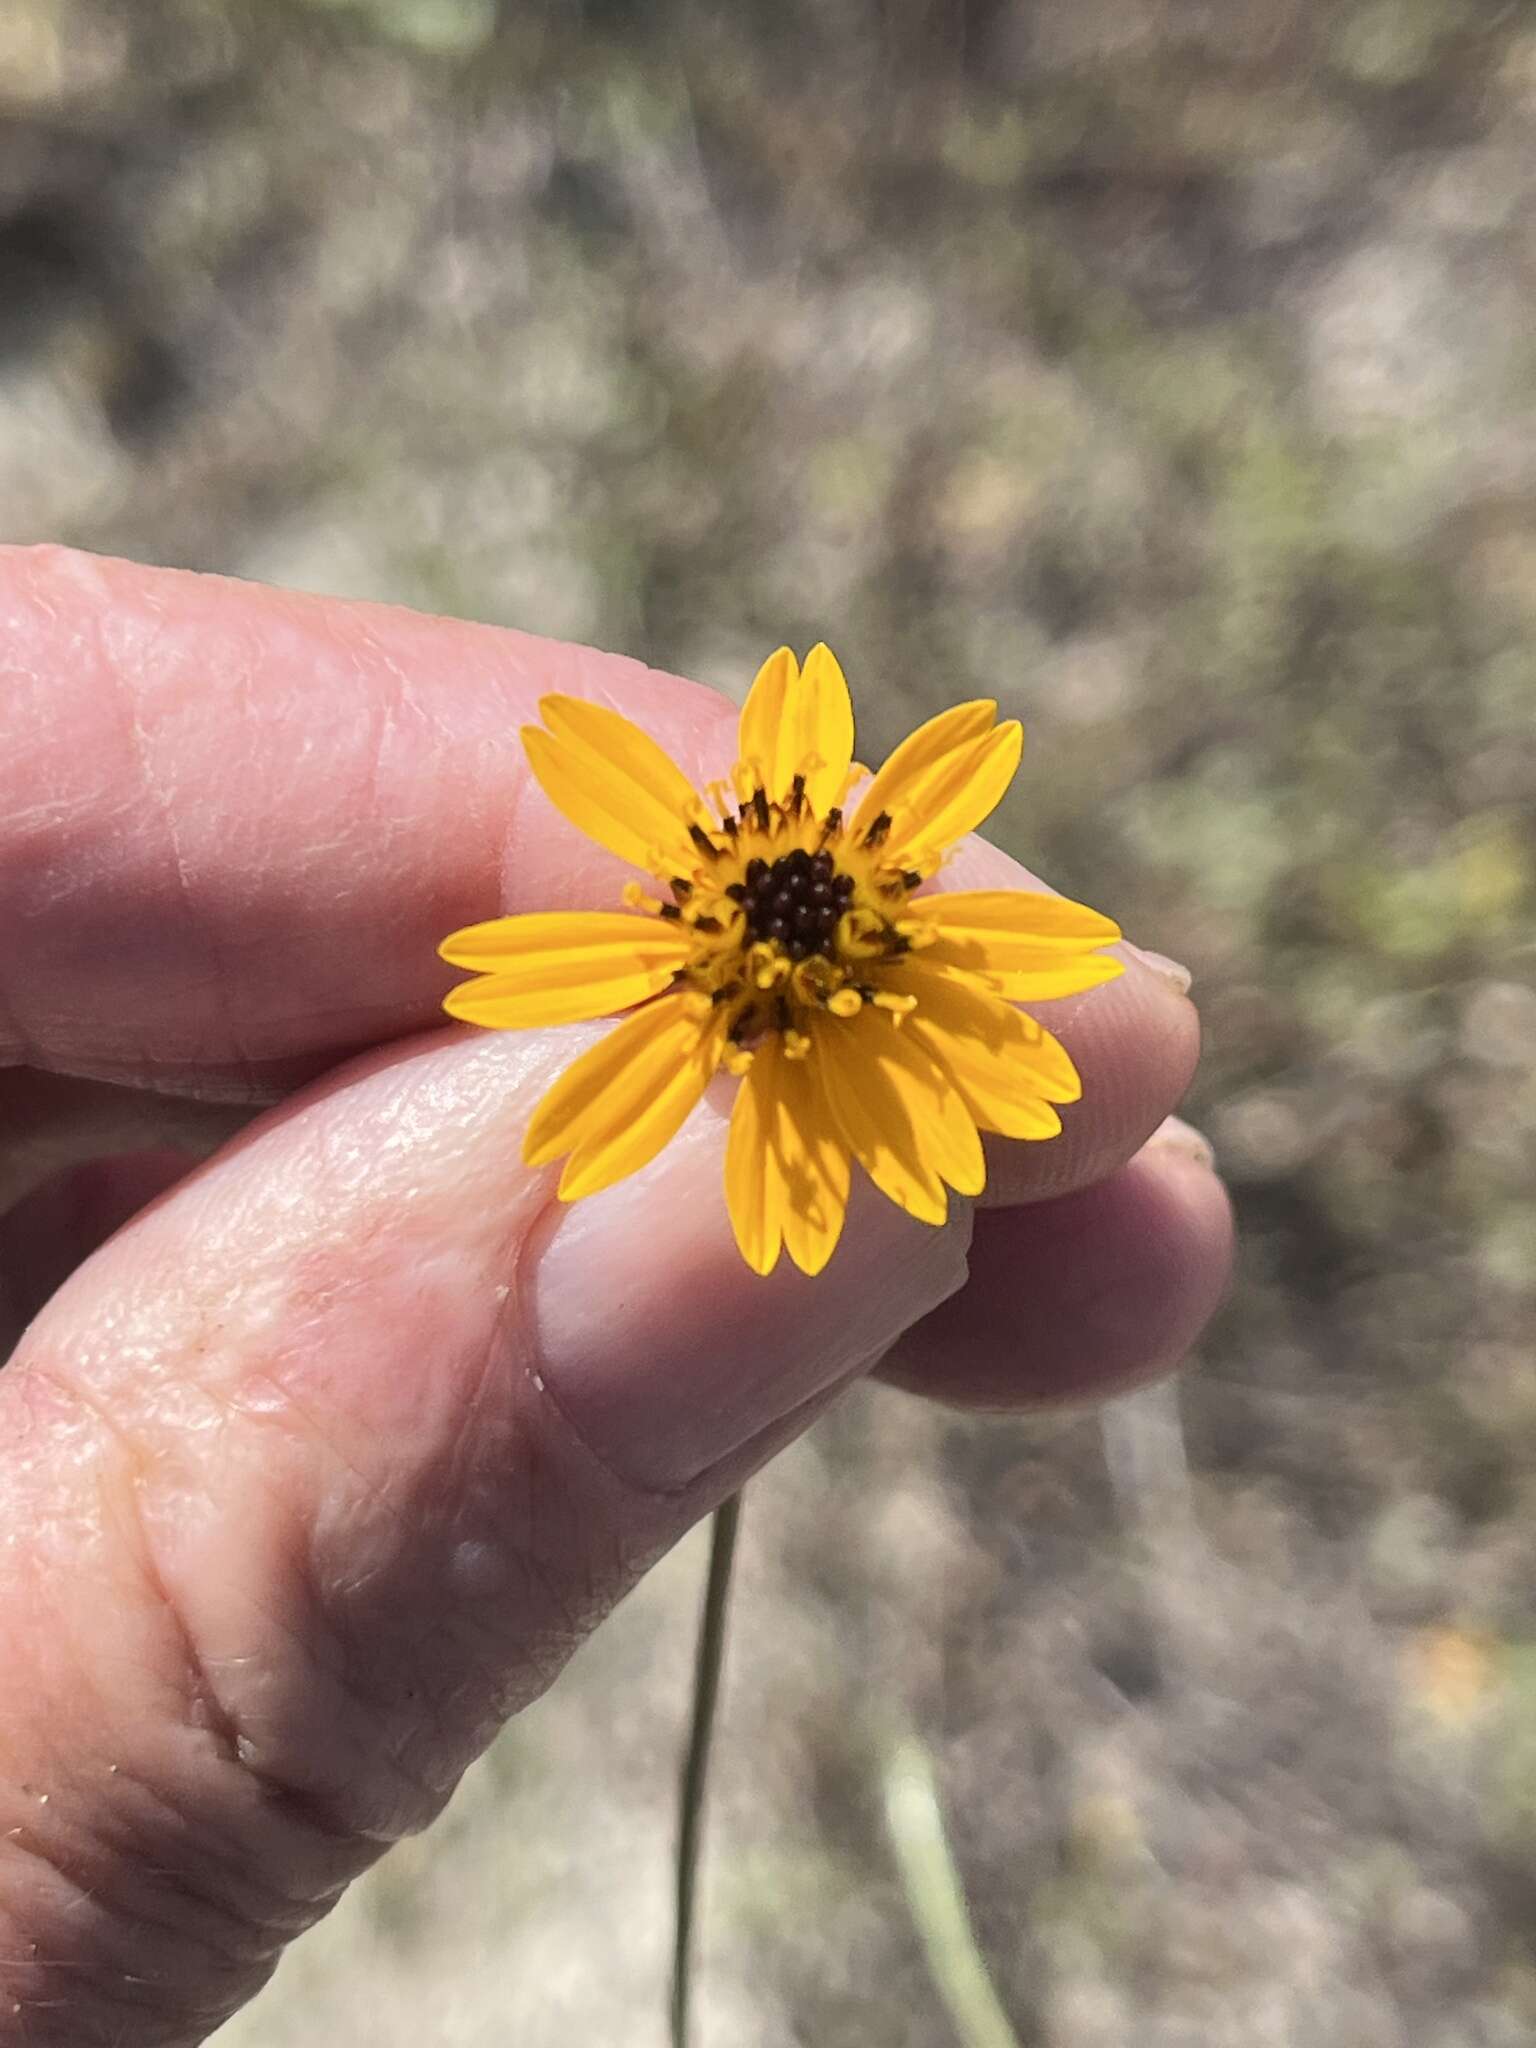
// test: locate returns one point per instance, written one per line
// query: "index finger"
(234, 821)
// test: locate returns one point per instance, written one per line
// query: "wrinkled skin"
(323, 1462)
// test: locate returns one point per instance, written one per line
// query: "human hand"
(321, 1467)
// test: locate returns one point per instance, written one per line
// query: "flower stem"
(695, 1777)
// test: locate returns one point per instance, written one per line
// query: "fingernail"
(668, 1354)
(1174, 1135)
(1177, 976)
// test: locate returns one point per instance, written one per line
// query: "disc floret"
(791, 913)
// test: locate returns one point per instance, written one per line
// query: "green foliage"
(448, 28)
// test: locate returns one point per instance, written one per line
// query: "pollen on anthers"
(789, 934)
(789, 914)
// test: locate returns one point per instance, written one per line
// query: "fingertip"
(1080, 1298)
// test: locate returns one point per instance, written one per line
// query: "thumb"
(322, 1467)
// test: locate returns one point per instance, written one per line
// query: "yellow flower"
(865, 1021)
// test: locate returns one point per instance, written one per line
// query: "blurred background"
(1165, 368)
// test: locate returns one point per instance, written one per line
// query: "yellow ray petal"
(1007, 1066)
(1046, 980)
(762, 715)
(622, 743)
(946, 1130)
(754, 1181)
(816, 736)
(504, 943)
(561, 987)
(815, 1166)
(799, 722)
(786, 1173)
(964, 788)
(1026, 921)
(919, 754)
(963, 1002)
(884, 1120)
(618, 1143)
(614, 1077)
(602, 799)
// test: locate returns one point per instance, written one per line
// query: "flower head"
(792, 947)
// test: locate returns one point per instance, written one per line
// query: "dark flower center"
(797, 901)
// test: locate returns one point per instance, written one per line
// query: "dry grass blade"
(936, 1899)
